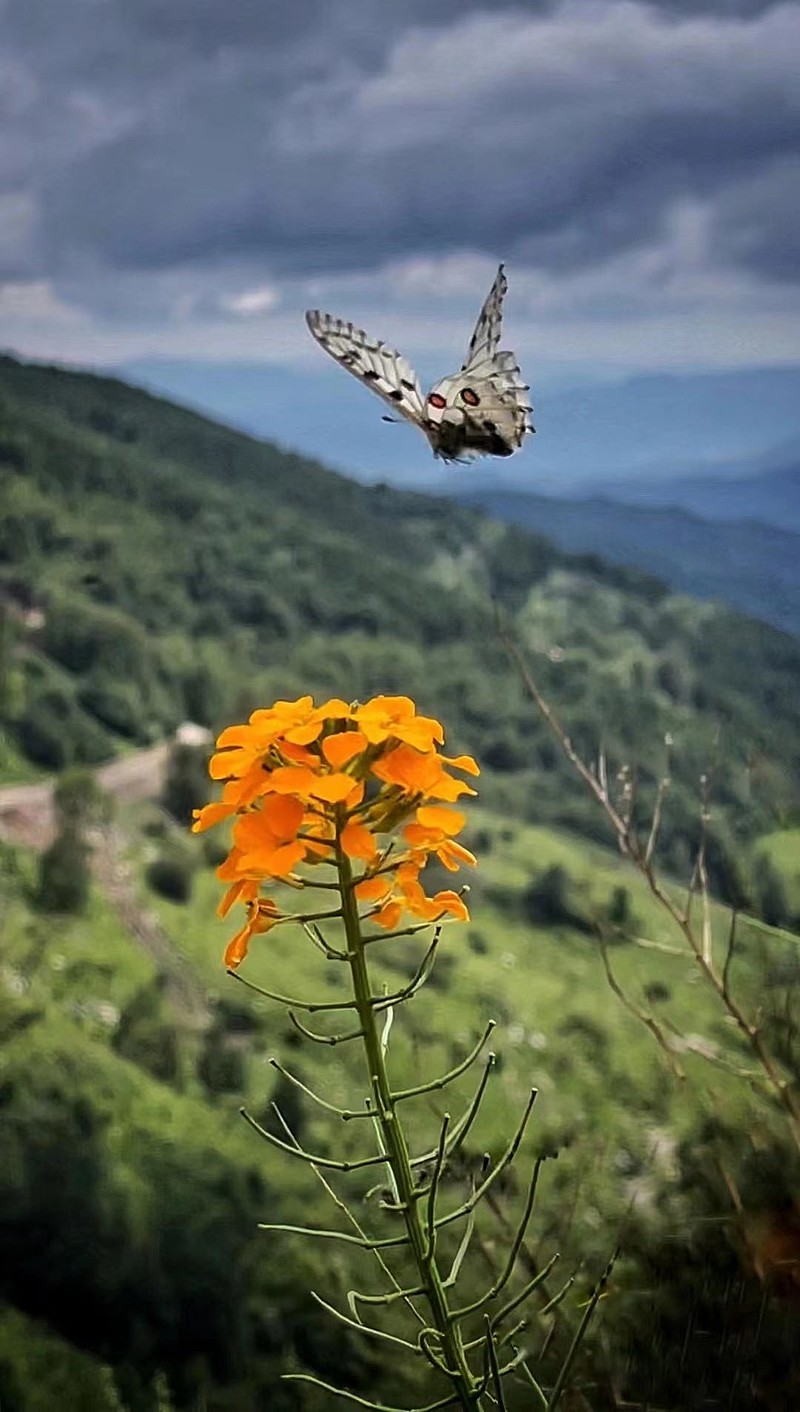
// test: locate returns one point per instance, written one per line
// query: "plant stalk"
(466, 1385)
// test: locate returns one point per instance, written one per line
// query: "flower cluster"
(361, 787)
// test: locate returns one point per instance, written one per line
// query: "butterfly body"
(480, 411)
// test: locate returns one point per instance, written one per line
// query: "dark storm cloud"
(758, 222)
(327, 134)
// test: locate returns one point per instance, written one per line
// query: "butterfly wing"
(486, 336)
(387, 372)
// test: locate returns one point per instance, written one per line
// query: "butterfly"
(483, 410)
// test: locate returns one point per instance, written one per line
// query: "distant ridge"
(748, 564)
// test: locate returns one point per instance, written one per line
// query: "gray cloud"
(141, 141)
(757, 221)
(557, 137)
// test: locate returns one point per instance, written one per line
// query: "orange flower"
(395, 718)
(418, 774)
(433, 833)
(300, 781)
(294, 783)
(262, 914)
(408, 895)
(266, 839)
(296, 723)
(240, 890)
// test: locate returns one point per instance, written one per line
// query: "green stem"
(466, 1385)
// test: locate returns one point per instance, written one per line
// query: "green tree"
(145, 1037)
(64, 879)
(186, 784)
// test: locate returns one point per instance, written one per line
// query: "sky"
(181, 179)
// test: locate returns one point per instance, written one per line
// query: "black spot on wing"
(396, 395)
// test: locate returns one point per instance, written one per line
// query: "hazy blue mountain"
(770, 492)
(645, 427)
(747, 564)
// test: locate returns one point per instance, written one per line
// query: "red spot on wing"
(436, 400)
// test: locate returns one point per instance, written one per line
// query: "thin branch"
(494, 1370)
(311, 1007)
(572, 1352)
(362, 1328)
(345, 1209)
(452, 1074)
(729, 954)
(311, 1157)
(365, 1401)
(644, 1016)
(323, 1038)
(507, 1157)
(346, 1114)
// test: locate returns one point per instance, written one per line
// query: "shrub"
(220, 1066)
(186, 782)
(170, 874)
(619, 911)
(546, 901)
(64, 879)
(146, 1038)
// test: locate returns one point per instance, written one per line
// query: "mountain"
(587, 433)
(157, 566)
(751, 566)
(764, 488)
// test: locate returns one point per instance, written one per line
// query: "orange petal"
(422, 838)
(228, 870)
(461, 762)
(283, 815)
(433, 816)
(244, 888)
(340, 748)
(298, 755)
(236, 950)
(457, 851)
(373, 889)
(451, 902)
(228, 763)
(333, 710)
(358, 842)
(209, 815)
(388, 916)
(421, 733)
(291, 779)
(292, 710)
(332, 789)
(448, 789)
(304, 733)
(272, 862)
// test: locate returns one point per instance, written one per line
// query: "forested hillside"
(156, 566)
(752, 567)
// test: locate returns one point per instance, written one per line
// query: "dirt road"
(27, 817)
(26, 810)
